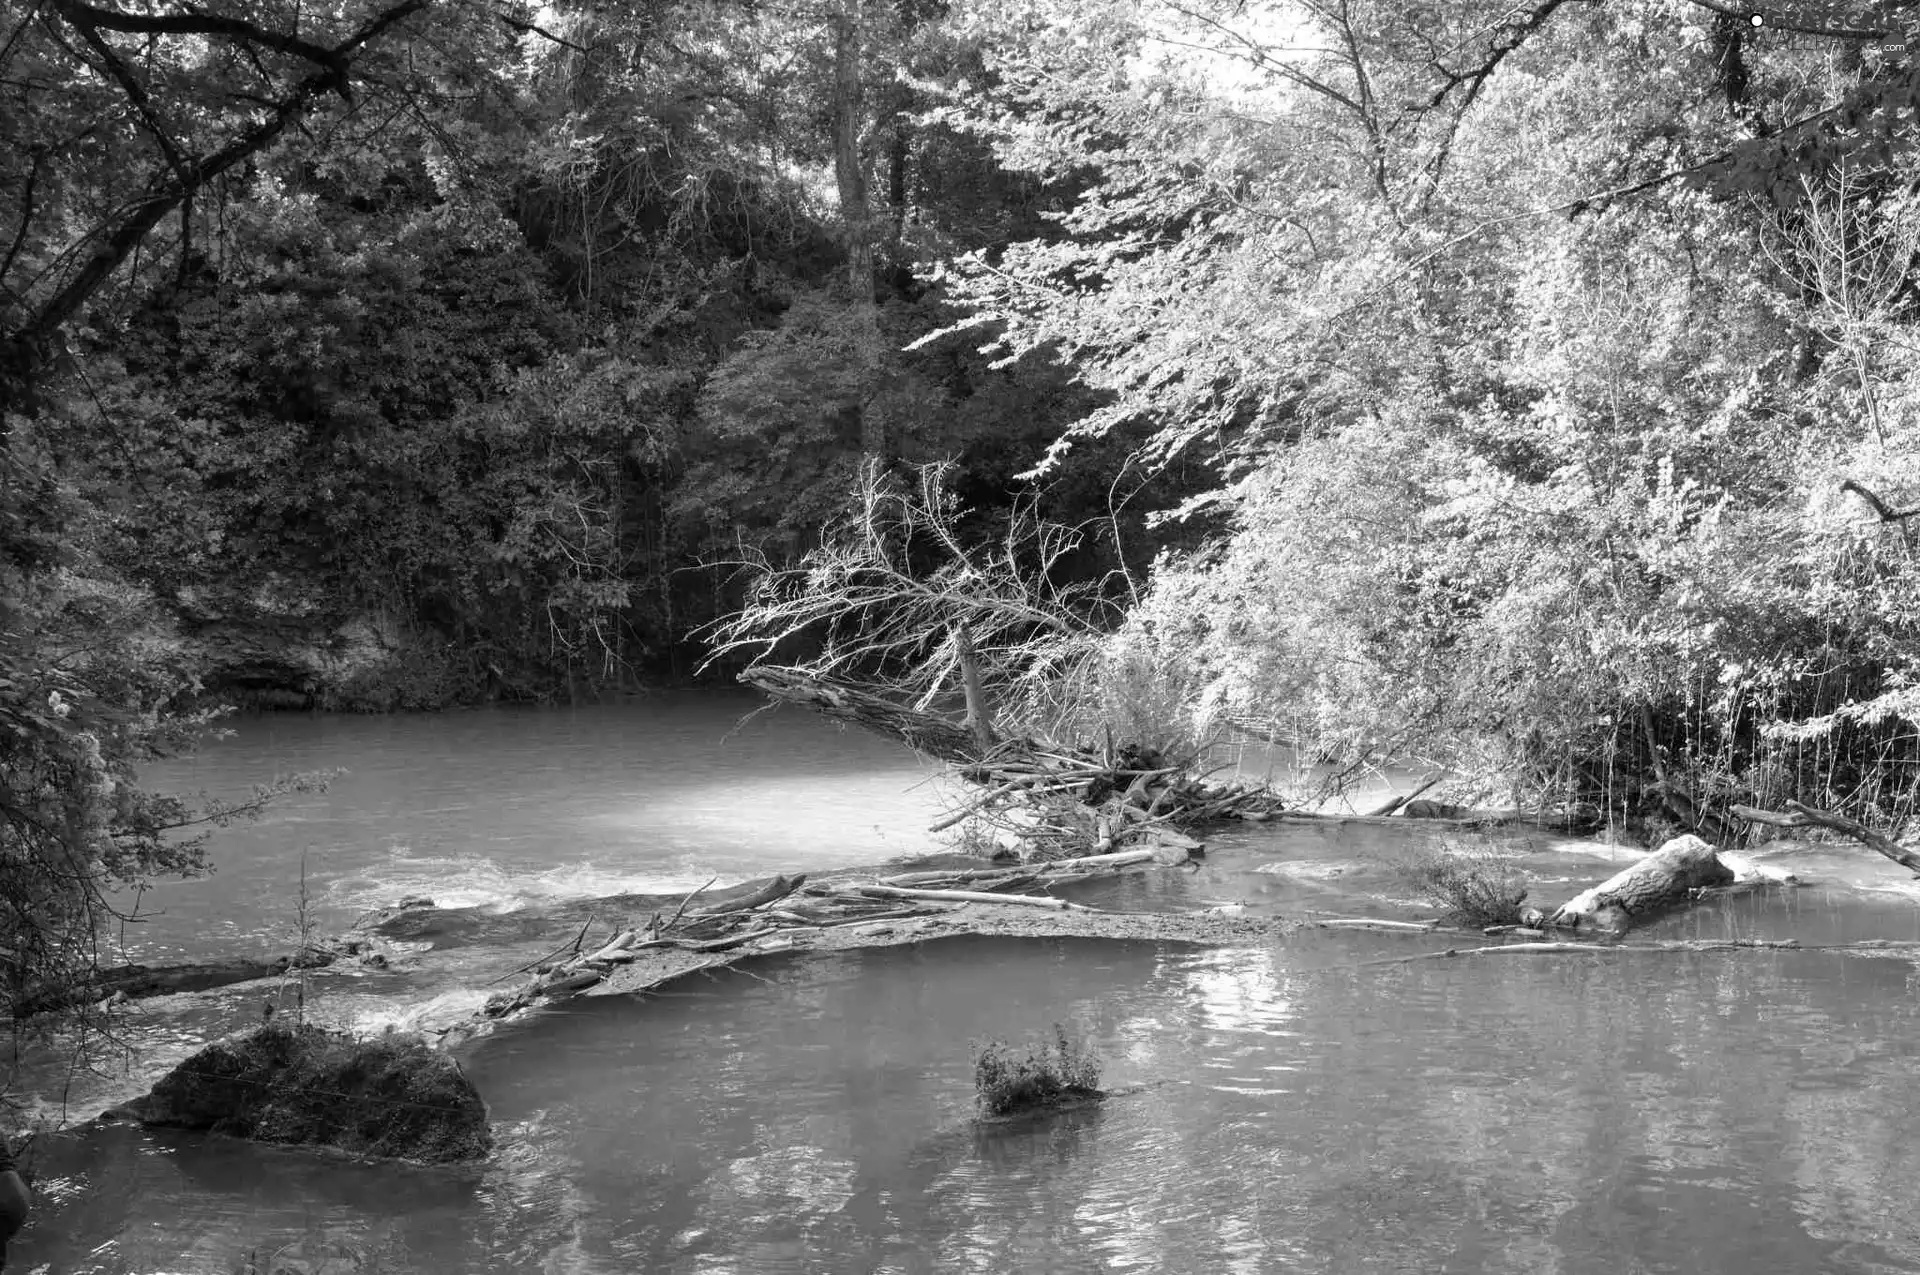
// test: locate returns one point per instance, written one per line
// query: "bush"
(1006, 1082)
(1473, 884)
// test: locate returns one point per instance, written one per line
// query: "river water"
(1323, 1104)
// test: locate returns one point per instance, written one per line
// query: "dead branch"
(1387, 808)
(971, 896)
(1804, 816)
(1879, 506)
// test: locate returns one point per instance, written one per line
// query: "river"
(1319, 1105)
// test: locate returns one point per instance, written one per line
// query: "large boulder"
(392, 1095)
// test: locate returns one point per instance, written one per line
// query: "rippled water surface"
(1338, 1101)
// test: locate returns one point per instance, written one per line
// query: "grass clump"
(1473, 885)
(1007, 1081)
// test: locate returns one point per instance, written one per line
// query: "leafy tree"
(1521, 457)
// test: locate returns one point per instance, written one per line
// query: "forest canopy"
(1528, 389)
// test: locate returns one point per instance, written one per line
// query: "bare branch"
(91, 16)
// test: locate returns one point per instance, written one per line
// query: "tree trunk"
(850, 174)
(1662, 880)
(979, 711)
(1805, 816)
(924, 732)
(849, 170)
(139, 981)
(897, 179)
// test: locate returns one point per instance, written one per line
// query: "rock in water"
(390, 1095)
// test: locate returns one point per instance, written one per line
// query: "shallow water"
(506, 808)
(1324, 1104)
(1303, 1111)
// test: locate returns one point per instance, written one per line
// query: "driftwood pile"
(763, 918)
(1042, 802)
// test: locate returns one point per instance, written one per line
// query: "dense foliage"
(1553, 362)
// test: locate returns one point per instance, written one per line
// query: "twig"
(1370, 923)
(683, 906)
(538, 960)
(967, 810)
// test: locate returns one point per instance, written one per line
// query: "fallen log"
(1388, 807)
(773, 891)
(939, 877)
(969, 896)
(1804, 816)
(1373, 923)
(1119, 860)
(1667, 877)
(923, 732)
(1862, 947)
(137, 982)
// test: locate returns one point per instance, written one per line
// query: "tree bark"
(979, 710)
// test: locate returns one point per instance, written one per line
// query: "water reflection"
(1291, 1108)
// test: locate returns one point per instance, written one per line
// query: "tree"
(1516, 464)
(93, 90)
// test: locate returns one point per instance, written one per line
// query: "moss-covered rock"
(388, 1095)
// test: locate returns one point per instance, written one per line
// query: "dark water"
(1317, 1105)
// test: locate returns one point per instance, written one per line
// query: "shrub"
(1006, 1082)
(1473, 884)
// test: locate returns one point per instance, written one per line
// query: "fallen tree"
(1800, 815)
(1669, 877)
(923, 732)
(782, 908)
(1039, 799)
(1859, 947)
(902, 607)
(137, 982)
